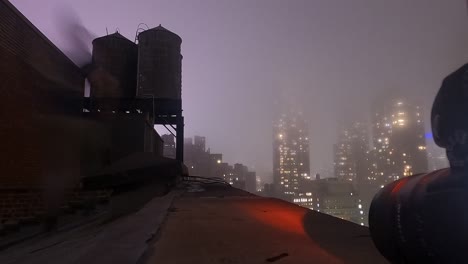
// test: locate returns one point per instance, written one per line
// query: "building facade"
(251, 182)
(399, 144)
(169, 149)
(350, 152)
(196, 157)
(334, 197)
(290, 154)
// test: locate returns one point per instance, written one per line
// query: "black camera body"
(424, 218)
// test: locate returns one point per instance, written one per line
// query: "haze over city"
(242, 59)
(302, 131)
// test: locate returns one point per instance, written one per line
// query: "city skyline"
(201, 162)
(367, 156)
(333, 56)
(96, 156)
(388, 147)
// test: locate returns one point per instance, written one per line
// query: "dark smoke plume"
(78, 39)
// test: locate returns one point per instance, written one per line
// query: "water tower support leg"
(180, 139)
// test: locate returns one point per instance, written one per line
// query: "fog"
(243, 59)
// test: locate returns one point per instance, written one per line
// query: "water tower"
(114, 67)
(159, 79)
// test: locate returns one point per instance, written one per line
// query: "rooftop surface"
(226, 225)
(206, 223)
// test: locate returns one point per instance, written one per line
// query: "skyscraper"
(343, 165)
(350, 153)
(351, 167)
(290, 154)
(399, 143)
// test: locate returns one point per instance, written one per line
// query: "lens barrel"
(422, 218)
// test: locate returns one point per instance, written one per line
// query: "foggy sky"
(241, 58)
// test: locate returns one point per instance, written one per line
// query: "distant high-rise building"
(226, 172)
(398, 148)
(215, 169)
(199, 143)
(399, 145)
(251, 182)
(240, 174)
(351, 167)
(350, 153)
(290, 154)
(196, 158)
(344, 167)
(169, 149)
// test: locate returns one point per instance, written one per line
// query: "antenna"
(140, 29)
(107, 32)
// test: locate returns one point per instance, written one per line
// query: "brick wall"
(40, 102)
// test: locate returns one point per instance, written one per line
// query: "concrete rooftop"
(225, 225)
(206, 223)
